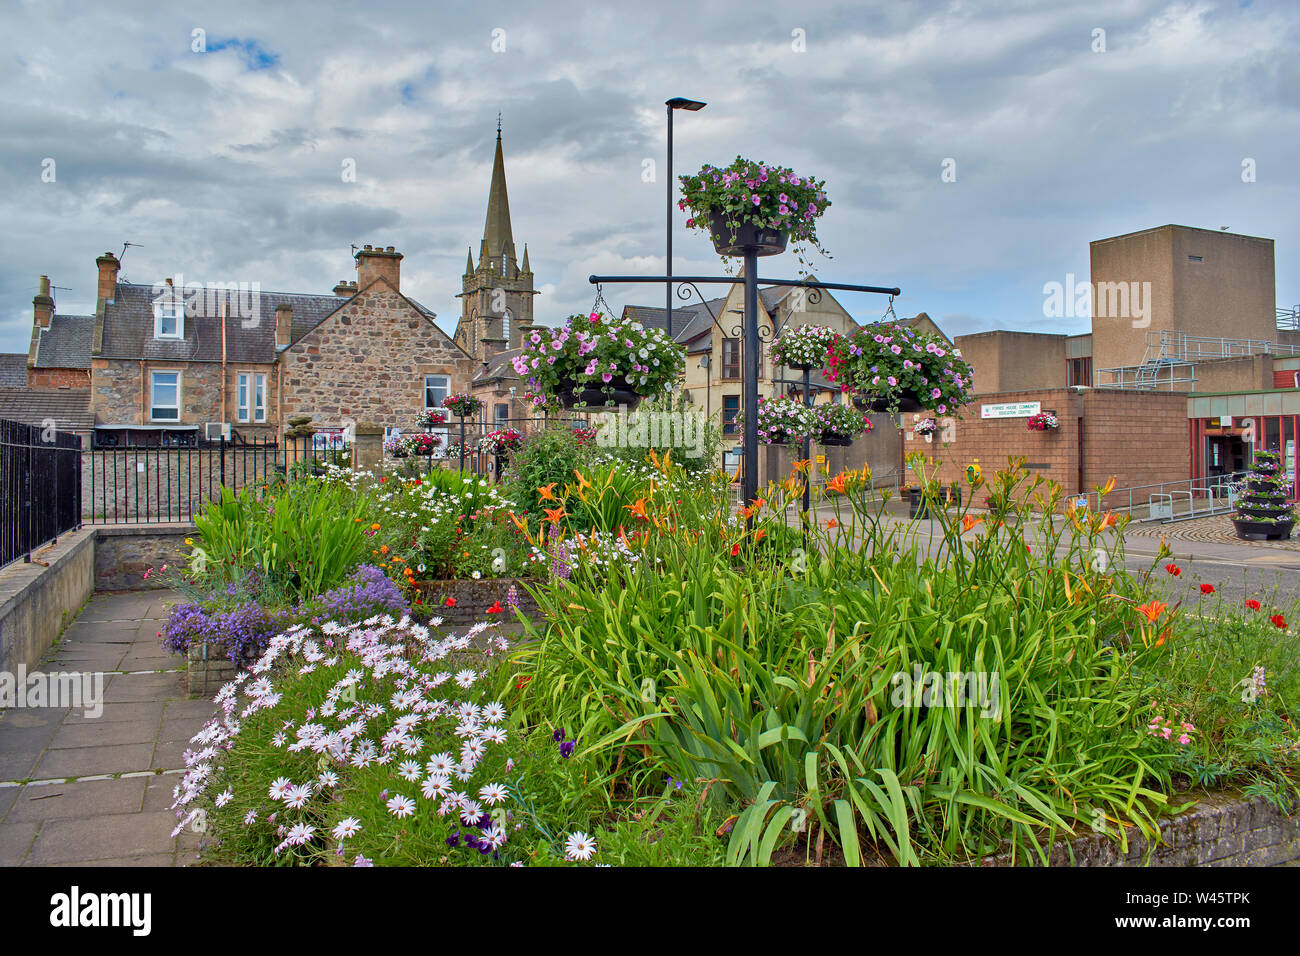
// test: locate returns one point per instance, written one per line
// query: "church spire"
(524, 267)
(497, 237)
(469, 261)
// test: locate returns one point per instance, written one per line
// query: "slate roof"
(69, 407)
(13, 369)
(66, 343)
(499, 367)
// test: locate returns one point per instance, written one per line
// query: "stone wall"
(473, 598)
(1223, 829)
(124, 554)
(367, 363)
(38, 599)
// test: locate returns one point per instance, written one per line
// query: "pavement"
(81, 790)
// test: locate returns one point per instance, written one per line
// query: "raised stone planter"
(123, 553)
(1223, 829)
(473, 598)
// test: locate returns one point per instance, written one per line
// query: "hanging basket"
(834, 441)
(747, 237)
(593, 395)
(775, 437)
(907, 402)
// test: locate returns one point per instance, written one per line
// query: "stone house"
(175, 364)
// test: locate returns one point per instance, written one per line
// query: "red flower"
(1207, 588)
(521, 682)
(1173, 569)
(1253, 605)
(450, 602)
(735, 549)
(495, 608)
(1278, 621)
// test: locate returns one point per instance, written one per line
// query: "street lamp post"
(676, 103)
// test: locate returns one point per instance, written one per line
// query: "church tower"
(497, 294)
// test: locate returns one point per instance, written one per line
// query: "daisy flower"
(278, 788)
(348, 827)
(225, 797)
(400, 806)
(493, 794)
(579, 846)
(410, 770)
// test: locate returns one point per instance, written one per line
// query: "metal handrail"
(1209, 485)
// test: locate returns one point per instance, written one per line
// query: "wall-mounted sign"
(1011, 410)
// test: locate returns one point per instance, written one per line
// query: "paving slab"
(168, 754)
(15, 839)
(7, 797)
(92, 733)
(134, 688)
(85, 761)
(89, 799)
(150, 711)
(156, 859)
(103, 837)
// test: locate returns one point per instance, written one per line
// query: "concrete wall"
(1230, 293)
(1223, 829)
(38, 599)
(124, 554)
(1005, 361)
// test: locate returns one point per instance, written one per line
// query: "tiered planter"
(1263, 513)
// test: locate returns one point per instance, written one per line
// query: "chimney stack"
(283, 325)
(43, 305)
(108, 267)
(375, 263)
(345, 289)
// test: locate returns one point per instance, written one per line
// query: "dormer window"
(168, 318)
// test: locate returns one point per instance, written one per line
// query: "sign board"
(1011, 410)
(821, 459)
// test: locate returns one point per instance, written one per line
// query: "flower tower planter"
(1263, 513)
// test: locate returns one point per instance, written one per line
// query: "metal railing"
(41, 496)
(1164, 501)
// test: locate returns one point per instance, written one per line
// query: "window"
(501, 413)
(505, 326)
(1195, 258)
(250, 394)
(165, 396)
(731, 358)
(1079, 371)
(436, 388)
(730, 409)
(169, 317)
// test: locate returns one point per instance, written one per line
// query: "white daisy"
(400, 806)
(278, 788)
(579, 846)
(493, 794)
(410, 770)
(347, 827)
(225, 797)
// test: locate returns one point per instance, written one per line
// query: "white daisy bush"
(597, 351)
(379, 743)
(805, 347)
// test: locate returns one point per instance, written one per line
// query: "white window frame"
(169, 307)
(446, 389)
(250, 397)
(153, 404)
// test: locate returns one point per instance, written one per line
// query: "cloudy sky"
(226, 164)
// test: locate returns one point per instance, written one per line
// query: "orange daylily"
(1153, 610)
(583, 483)
(759, 535)
(520, 523)
(554, 515)
(836, 484)
(1108, 520)
(638, 508)
(746, 512)
(802, 464)
(831, 523)
(547, 492)
(968, 522)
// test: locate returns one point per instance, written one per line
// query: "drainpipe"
(223, 360)
(143, 407)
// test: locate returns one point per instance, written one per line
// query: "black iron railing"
(40, 498)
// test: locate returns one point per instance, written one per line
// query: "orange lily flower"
(583, 483)
(1153, 610)
(967, 522)
(831, 523)
(1108, 520)
(520, 523)
(746, 512)
(546, 491)
(553, 515)
(759, 535)
(802, 464)
(836, 484)
(638, 508)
